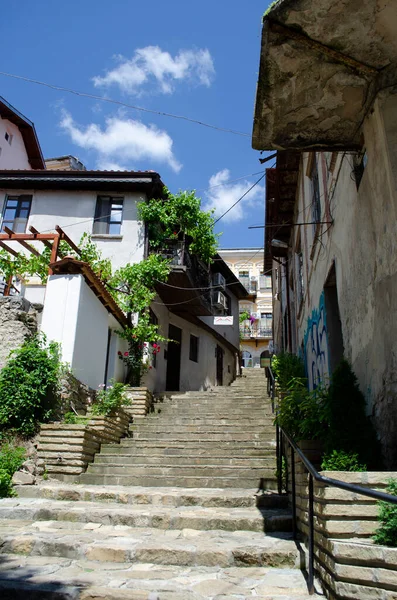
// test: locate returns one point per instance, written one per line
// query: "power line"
(124, 104)
(239, 200)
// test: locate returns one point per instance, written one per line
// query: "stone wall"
(73, 396)
(18, 320)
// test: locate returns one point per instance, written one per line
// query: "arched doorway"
(246, 358)
(265, 359)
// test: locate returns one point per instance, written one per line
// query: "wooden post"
(54, 252)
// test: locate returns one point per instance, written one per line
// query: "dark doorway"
(334, 326)
(173, 358)
(219, 365)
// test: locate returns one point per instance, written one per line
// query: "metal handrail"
(281, 437)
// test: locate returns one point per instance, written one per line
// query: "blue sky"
(199, 60)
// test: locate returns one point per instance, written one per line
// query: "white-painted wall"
(75, 211)
(194, 376)
(14, 155)
(75, 318)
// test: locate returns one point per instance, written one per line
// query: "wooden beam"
(45, 242)
(23, 243)
(8, 249)
(27, 236)
(67, 239)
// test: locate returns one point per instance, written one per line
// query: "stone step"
(170, 429)
(121, 544)
(126, 447)
(182, 470)
(52, 578)
(182, 459)
(137, 516)
(248, 482)
(204, 436)
(205, 444)
(168, 496)
(177, 419)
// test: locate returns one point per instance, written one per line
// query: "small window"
(8, 137)
(194, 346)
(16, 213)
(108, 215)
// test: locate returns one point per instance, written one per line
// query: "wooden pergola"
(50, 240)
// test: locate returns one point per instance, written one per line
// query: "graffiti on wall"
(316, 346)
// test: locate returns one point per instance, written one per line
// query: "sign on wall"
(223, 320)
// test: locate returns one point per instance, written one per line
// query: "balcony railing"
(255, 331)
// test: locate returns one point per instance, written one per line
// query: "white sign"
(223, 320)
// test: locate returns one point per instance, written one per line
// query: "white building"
(256, 330)
(104, 204)
(19, 146)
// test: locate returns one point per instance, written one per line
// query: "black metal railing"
(283, 441)
(256, 331)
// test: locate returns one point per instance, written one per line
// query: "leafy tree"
(180, 217)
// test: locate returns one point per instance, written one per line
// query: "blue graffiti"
(316, 346)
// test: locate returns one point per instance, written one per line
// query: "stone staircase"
(168, 514)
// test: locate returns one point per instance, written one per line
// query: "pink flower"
(119, 352)
(126, 354)
(154, 345)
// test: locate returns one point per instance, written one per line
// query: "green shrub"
(5, 484)
(110, 399)
(28, 385)
(302, 413)
(11, 459)
(338, 460)
(386, 534)
(350, 429)
(70, 418)
(287, 366)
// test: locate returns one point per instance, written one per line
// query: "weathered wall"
(362, 244)
(18, 320)
(76, 210)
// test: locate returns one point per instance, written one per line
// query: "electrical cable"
(124, 104)
(239, 200)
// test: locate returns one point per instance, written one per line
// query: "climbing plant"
(133, 287)
(180, 217)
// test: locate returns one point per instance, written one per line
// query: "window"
(194, 346)
(265, 281)
(108, 216)
(244, 277)
(266, 323)
(8, 137)
(316, 203)
(16, 213)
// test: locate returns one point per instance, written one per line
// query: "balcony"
(255, 332)
(250, 284)
(187, 290)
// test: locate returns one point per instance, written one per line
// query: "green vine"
(180, 217)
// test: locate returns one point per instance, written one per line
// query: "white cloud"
(224, 194)
(123, 140)
(153, 64)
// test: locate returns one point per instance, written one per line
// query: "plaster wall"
(14, 155)
(199, 375)
(362, 244)
(74, 317)
(75, 211)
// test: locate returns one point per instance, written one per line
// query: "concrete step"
(171, 429)
(248, 482)
(200, 421)
(124, 544)
(158, 496)
(182, 459)
(138, 516)
(53, 578)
